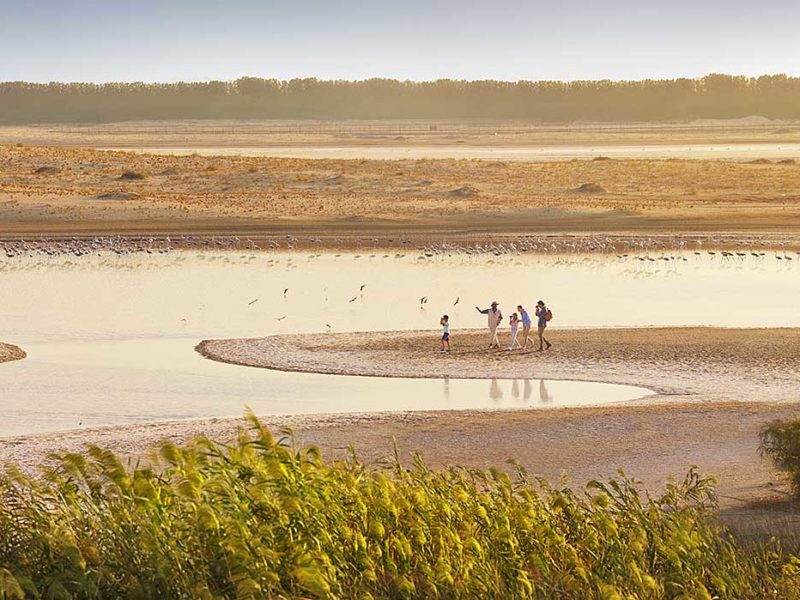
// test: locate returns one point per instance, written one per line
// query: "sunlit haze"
(85, 40)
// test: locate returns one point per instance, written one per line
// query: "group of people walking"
(521, 318)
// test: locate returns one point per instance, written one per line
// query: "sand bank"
(699, 364)
(9, 352)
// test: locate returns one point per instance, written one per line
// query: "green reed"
(262, 518)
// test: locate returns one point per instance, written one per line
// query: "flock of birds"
(123, 245)
(622, 246)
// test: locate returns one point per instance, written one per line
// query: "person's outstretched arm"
(483, 312)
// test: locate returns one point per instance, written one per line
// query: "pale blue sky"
(171, 40)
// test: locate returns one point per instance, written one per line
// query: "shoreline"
(10, 352)
(425, 244)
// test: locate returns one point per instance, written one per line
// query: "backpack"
(549, 315)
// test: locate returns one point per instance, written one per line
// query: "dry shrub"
(131, 176)
(47, 170)
(590, 188)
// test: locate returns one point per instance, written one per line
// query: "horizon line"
(399, 80)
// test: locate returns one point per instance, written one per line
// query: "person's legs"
(495, 341)
(514, 342)
(540, 333)
(526, 333)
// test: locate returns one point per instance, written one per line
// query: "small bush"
(131, 176)
(260, 518)
(780, 441)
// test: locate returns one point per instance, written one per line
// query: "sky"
(200, 40)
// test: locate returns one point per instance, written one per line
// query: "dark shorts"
(445, 337)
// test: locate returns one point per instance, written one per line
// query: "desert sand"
(9, 352)
(68, 191)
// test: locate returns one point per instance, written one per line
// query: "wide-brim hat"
(495, 304)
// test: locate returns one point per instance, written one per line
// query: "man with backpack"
(544, 315)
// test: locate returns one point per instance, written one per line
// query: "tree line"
(713, 96)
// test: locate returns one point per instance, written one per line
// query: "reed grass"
(264, 518)
(780, 441)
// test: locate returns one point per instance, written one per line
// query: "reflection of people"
(527, 390)
(446, 388)
(544, 315)
(515, 389)
(495, 393)
(494, 317)
(445, 323)
(526, 325)
(513, 322)
(544, 395)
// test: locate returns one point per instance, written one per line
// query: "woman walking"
(544, 315)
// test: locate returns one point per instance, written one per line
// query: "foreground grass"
(261, 519)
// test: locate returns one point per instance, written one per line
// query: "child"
(513, 321)
(445, 323)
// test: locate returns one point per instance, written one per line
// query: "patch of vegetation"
(131, 176)
(117, 196)
(590, 188)
(260, 518)
(46, 170)
(780, 441)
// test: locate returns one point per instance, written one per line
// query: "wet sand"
(9, 352)
(695, 363)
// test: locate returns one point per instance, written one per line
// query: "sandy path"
(703, 364)
(9, 352)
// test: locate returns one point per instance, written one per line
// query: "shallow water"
(111, 338)
(734, 151)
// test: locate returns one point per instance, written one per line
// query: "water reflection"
(122, 348)
(497, 386)
(544, 395)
